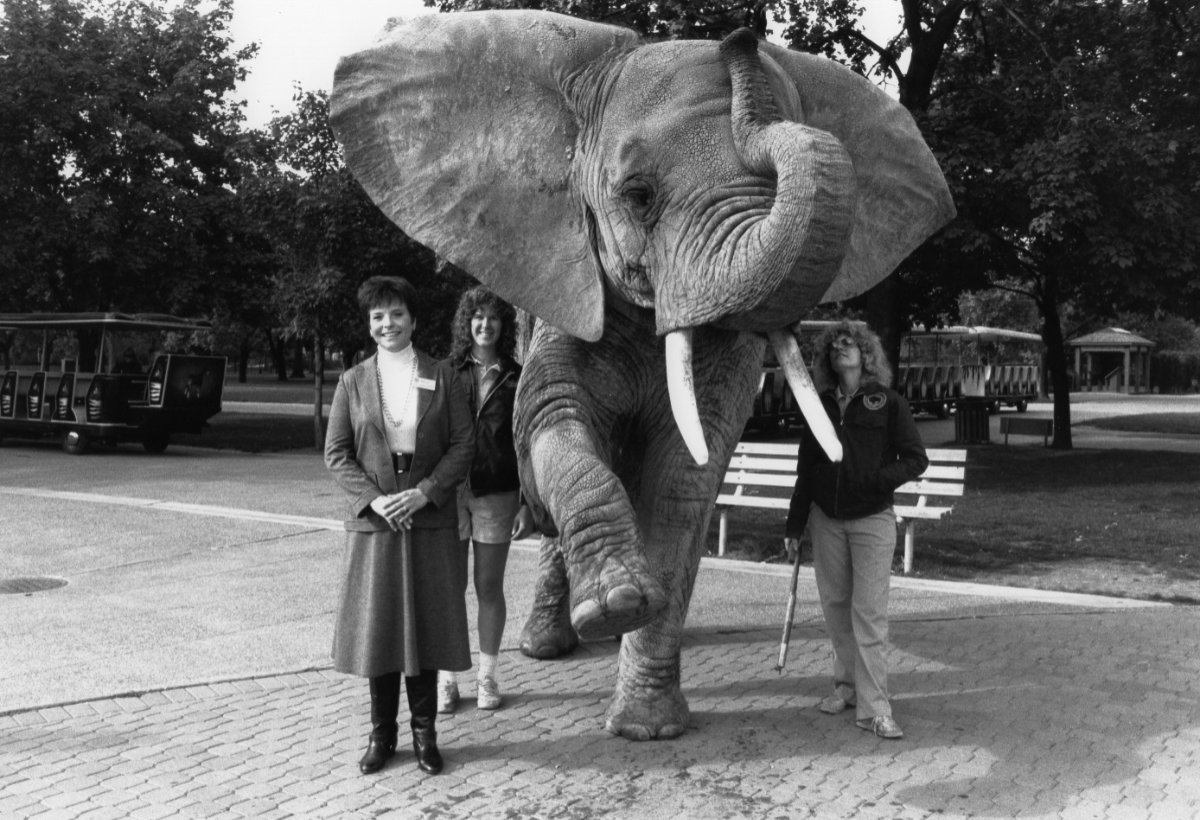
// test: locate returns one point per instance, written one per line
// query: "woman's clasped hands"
(398, 509)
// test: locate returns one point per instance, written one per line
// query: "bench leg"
(722, 528)
(909, 526)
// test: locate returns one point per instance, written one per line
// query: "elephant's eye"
(638, 196)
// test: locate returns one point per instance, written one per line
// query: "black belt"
(401, 462)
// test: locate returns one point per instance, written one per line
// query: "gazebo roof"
(1111, 337)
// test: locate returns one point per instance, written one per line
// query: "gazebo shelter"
(1112, 360)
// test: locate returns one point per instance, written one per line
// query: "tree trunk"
(1056, 358)
(298, 359)
(318, 366)
(243, 360)
(278, 360)
(885, 315)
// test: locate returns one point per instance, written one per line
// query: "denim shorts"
(487, 519)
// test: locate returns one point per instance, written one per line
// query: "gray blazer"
(357, 453)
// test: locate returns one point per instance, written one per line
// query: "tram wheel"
(156, 442)
(76, 442)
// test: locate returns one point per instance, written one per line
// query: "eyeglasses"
(843, 342)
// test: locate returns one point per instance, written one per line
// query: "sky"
(301, 41)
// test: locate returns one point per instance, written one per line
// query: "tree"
(1074, 149)
(908, 61)
(658, 19)
(325, 237)
(118, 144)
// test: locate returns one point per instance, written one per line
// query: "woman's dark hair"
(874, 361)
(475, 299)
(383, 290)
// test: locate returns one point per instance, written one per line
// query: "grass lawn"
(1116, 522)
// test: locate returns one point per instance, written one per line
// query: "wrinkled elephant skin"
(660, 209)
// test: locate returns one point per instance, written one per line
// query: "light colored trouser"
(852, 559)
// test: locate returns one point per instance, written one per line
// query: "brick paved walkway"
(1054, 713)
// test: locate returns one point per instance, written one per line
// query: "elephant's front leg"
(675, 504)
(648, 702)
(612, 590)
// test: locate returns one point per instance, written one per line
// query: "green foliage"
(326, 236)
(998, 307)
(1167, 331)
(1068, 160)
(657, 19)
(1175, 371)
(118, 146)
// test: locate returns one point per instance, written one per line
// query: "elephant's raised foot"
(624, 609)
(548, 634)
(648, 714)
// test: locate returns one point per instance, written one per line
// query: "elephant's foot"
(618, 596)
(548, 633)
(647, 712)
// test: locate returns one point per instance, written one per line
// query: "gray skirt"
(402, 606)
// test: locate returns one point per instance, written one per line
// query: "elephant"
(663, 210)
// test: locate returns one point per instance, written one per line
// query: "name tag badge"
(425, 384)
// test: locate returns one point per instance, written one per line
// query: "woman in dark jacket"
(399, 442)
(490, 511)
(847, 508)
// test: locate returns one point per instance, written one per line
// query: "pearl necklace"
(412, 383)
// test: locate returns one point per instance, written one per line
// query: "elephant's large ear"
(902, 196)
(457, 127)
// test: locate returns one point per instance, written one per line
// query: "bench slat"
(941, 454)
(772, 466)
(931, 513)
(944, 472)
(761, 479)
(762, 448)
(761, 502)
(929, 488)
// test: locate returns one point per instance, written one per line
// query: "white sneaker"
(489, 694)
(447, 695)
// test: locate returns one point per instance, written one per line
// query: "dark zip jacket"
(494, 469)
(881, 449)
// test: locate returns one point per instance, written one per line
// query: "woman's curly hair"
(475, 299)
(875, 365)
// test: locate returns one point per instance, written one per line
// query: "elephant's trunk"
(780, 265)
(784, 264)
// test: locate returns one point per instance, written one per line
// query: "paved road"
(182, 672)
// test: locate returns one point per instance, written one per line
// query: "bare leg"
(490, 561)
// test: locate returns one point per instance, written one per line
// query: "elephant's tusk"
(682, 391)
(787, 351)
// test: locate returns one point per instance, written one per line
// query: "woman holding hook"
(847, 508)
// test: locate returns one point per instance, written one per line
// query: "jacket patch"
(875, 401)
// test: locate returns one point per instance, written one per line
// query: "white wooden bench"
(763, 476)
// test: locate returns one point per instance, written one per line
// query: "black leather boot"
(422, 702)
(385, 703)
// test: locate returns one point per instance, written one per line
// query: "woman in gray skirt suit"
(400, 440)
